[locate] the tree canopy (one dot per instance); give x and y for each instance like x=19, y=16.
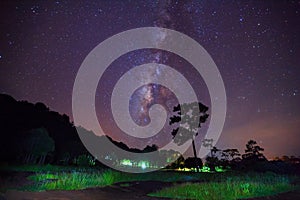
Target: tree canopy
x=188, y=117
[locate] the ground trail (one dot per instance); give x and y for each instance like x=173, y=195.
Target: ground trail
x=120, y=191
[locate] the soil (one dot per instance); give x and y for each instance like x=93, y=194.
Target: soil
x=294, y=195
x=132, y=190
x=11, y=179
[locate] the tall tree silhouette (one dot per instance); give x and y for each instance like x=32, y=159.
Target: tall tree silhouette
x=188, y=117
x=230, y=157
x=253, y=151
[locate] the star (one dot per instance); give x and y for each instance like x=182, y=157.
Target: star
x=254, y=45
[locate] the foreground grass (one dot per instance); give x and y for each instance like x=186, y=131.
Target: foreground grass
x=72, y=180
x=51, y=177
x=98, y=178
x=229, y=185
x=236, y=187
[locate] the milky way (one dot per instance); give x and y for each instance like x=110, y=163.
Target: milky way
x=254, y=44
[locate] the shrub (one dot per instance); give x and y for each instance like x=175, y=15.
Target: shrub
x=85, y=160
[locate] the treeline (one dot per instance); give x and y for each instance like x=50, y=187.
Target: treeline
x=33, y=134
x=252, y=159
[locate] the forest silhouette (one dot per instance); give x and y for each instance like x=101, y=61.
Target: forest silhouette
x=33, y=134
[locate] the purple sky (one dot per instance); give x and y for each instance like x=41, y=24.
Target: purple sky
x=254, y=44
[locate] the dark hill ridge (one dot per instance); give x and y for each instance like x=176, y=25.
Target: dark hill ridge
x=17, y=118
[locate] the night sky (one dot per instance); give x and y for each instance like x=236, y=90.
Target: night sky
x=255, y=45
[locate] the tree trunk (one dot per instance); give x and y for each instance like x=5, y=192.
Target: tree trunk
x=41, y=160
x=26, y=160
x=44, y=158
x=194, y=148
x=195, y=153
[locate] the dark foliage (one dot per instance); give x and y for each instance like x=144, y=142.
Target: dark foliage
x=36, y=146
x=25, y=126
x=19, y=118
x=213, y=161
x=253, y=152
x=193, y=162
x=188, y=117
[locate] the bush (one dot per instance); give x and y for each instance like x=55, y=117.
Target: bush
x=85, y=160
x=192, y=162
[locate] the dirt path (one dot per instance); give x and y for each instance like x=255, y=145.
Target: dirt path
x=294, y=195
x=135, y=190
x=123, y=191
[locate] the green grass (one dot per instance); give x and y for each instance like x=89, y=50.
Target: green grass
x=235, y=187
x=97, y=178
x=227, y=185
x=71, y=181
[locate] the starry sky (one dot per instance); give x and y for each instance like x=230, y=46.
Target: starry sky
x=255, y=45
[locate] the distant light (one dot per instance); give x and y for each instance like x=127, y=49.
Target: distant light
x=126, y=162
x=205, y=169
x=143, y=165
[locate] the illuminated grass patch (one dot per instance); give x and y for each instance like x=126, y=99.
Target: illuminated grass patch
x=74, y=178
x=72, y=181
x=232, y=188
x=85, y=179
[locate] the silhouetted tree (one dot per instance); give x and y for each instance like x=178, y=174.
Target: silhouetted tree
x=230, y=154
x=214, y=151
x=188, y=117
x=253, y=151
x=37, y=146
x=212, y=161
x=150, y=148
x=230, y=157
x=253, y=159
x=193, y=162
x=179, y=163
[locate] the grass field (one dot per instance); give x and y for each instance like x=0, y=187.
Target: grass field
x=227, y=185
x=49, y=177
x=235, y=187
x=86, y=178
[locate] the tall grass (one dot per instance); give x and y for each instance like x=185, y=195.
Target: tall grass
x=85, y=178
x=81, y=179
x=72, y=180
x=235, y=187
